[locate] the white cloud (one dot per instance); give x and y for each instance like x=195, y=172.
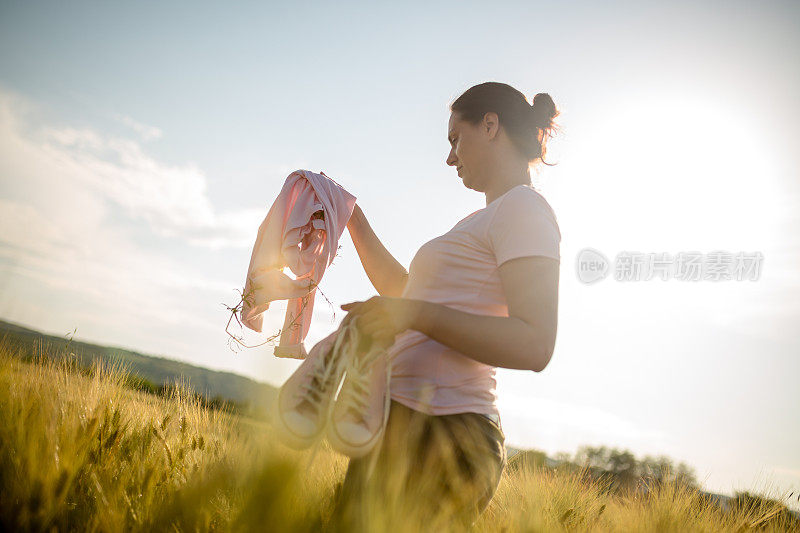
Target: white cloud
x=24, y=229
x=146, y=132
x=172, y=199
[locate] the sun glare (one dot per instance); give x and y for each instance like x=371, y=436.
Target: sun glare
x=693, y=174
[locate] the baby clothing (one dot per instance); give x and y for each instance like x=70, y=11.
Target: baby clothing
x=459, y=270
x=301, y=231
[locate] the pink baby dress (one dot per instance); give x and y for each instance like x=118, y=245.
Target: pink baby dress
x=301, y=231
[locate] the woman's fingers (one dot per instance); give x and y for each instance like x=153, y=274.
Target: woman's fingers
x=351, y=316
x=369, y=324
x=382, y=340
x=369, y=316
x=384, y=336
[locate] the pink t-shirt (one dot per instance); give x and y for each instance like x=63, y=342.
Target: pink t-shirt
x=459, y=270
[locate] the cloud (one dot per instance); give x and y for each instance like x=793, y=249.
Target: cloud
x=147, y=133
x=24, y=229
x=171, y=199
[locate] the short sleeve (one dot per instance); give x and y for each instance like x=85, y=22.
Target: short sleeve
x=523, y=225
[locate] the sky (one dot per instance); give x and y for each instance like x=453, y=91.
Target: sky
x=142, y=144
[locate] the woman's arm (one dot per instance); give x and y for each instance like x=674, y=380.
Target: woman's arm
x=523, y=340
x=387, y=275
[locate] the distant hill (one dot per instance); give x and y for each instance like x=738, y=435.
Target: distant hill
x=159, y=371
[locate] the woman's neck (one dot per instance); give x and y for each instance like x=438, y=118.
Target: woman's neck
x=499, y=188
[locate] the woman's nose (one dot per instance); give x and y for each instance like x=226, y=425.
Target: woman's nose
x=451, y=160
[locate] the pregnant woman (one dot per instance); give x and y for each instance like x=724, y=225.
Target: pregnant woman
x=481, y=296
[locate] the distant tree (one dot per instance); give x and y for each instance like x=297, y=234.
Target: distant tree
x=527, y=459
x=661, y=469
x=563, y=458
x=624, y=472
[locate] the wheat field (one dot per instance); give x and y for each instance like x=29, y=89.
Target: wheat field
x=80, y=450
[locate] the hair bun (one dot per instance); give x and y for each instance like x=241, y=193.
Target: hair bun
x=544, y=111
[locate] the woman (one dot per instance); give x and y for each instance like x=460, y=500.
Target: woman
x=481, y=296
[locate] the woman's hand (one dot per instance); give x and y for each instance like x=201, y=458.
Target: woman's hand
x=383, y=317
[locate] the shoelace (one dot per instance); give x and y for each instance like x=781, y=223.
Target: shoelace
x=325, y=376
x=356, y=374
x=321, y=386
x=386, y=406
x=355, y=388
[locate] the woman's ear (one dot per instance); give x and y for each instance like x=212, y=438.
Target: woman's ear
x=490, y=124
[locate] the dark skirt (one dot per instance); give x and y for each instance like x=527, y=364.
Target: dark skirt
x=435, y=467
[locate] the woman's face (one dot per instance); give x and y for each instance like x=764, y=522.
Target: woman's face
x=469, y=151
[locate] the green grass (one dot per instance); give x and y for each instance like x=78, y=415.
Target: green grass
x=85, y=451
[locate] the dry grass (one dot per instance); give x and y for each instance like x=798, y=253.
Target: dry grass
x=81, y=451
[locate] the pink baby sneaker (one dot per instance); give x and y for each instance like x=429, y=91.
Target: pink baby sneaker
x=301, y=410
x=360, y=410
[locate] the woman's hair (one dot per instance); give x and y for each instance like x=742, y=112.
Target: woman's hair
x=528, y=126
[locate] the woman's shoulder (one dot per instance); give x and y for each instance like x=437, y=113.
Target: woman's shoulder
x=525, y=198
